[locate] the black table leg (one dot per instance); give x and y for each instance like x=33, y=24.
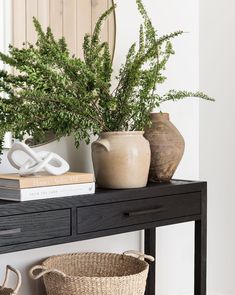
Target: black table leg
x=201, y=249
x=150, y=249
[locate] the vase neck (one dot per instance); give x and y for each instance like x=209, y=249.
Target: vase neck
x=159, y=117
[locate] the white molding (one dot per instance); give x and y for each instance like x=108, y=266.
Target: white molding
x=7, y=18
x=5, y=25
x=2, y=43
x=5, y=40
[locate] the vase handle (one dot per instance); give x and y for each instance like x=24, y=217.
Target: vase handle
x=102, y=143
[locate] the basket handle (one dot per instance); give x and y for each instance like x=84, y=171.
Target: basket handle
x=18, y=275
x=42, y=270
x=139, y=255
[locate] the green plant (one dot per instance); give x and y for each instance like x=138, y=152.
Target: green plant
x=51, y=90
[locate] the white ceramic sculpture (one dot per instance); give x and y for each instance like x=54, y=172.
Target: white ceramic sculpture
x=37, y=161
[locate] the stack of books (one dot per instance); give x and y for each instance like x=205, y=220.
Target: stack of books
x=17, y=188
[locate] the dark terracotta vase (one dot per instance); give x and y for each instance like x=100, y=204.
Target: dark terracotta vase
x=167, y=148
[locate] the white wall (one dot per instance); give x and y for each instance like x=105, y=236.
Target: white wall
x=175, y=243
x=5, y=26
x=217, y=139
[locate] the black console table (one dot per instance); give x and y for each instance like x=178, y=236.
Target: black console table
x=42, y=223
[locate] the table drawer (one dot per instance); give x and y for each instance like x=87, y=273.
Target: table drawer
x=31, y=227
x=120, y=214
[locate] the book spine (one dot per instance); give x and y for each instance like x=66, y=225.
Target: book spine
x=57, y=191
x=53, y=181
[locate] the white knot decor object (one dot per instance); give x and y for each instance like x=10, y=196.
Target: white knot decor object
x=37, y=161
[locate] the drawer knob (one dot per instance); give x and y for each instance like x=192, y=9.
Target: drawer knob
x=144, y=212
x=10, y=231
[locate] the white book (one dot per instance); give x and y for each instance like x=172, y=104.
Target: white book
x=38, y=193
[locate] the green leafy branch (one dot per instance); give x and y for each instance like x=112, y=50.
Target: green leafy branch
x=49, y=90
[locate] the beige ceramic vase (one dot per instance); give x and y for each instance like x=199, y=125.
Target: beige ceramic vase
x=167, y=147
x=121, y=160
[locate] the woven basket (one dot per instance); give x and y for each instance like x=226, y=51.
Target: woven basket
x=4, y=290
x=94, y=274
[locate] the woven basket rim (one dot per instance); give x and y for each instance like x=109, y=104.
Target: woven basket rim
x=100, y=253
x=103, y=278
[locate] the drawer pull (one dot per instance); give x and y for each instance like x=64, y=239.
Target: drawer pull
x=10, y=231
x=144, y=212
